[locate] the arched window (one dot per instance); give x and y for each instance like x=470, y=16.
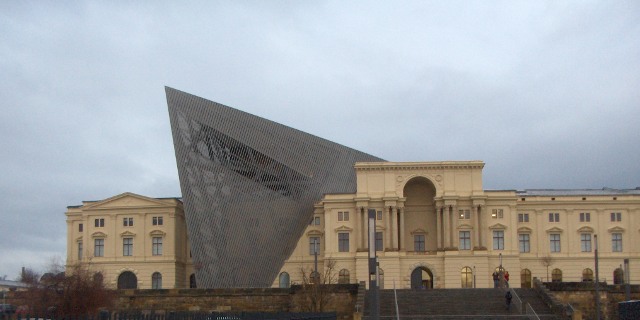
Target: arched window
x=556, y=275
x=127, y=280
x=343, y=276
x=192, y=281
x=587, y=275
x=618, y=276
x=284, y=280
x=156, y=280
x=525, y=278
x=98, y=278
x=466, y=276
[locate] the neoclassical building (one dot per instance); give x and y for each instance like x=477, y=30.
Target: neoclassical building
x=132, y=240
x=436, y=227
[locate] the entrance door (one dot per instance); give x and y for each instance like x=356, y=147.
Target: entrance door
x=421, y=278
x=127, y=280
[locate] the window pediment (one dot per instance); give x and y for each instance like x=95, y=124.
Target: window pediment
x=585, y=229
x=343, y=228
x=498, y=226
x=79, y=239
x=615, y=229
x=127, y=234
x=419, y=231
x=465, y=226
x=554, y=230
x=157, y=233
x=99, y=234
x=314, y=233
x=525, y=230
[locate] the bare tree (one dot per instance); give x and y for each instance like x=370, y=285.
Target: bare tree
x=29, y=276
x=547, y=261
x=315, y=289
x=75, y=293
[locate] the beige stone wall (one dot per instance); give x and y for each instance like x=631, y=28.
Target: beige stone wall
x=457, y=185
x=173, y=264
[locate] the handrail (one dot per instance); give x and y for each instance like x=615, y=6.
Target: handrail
x=531, y=314
x=518, y=301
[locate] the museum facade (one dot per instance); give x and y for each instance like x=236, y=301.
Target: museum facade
x=262, y=202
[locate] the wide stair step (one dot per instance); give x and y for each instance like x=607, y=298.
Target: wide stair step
x=452, y=304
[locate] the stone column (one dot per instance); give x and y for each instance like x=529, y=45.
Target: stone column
x=363, y=227
x=447, y=226
x=453, y=222
x=387, y=227
x=438, y=227
x=401, y=213
x=394, y=228
x=476, y=227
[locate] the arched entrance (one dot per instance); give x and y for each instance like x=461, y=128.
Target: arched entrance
x=127, y=280
x=421, y=278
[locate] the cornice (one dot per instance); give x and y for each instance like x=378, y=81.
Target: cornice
x=404, y=166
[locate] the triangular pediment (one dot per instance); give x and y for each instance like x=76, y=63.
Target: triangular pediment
x=498, y=226
x=99, y=234
x=343, y=228
x=525, y=230
x=585, y=229
x=615, y=229
x=125, y=200
x=554, y=230
x=127, y=234
x=157, y=233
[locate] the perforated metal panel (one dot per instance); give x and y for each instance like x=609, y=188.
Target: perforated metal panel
x=248, y=186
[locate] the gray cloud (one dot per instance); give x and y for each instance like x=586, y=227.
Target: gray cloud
x=544, y=92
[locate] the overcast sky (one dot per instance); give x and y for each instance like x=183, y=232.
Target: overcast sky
x=547, y=93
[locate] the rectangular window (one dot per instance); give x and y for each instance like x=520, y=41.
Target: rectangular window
x=523, y=217
x=585, y=242
x=316, y=221
x=525, y=245
x=98, y=249
x=379, y=241
x=80, y=227
x=585, y=216
x=554, y=242
x=465, y=240
x=616, y=242
x=616, y=216
x=498, y=240
x=127, y=246
x=497, y=213
x=343, y=216
x=80, y=250
x=343, y=242
x=464, y=214
x=99, y=222
x=314, y=245
x=127, y=222
x=156, y=246
x=418, y=243
x=554, y=217
x=157, y=221
x=379, y=215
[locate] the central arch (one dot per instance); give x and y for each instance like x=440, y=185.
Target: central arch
x=420, y=215
x=421, y=278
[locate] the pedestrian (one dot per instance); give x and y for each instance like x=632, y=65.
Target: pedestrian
x=506, y=277
x=495, y=279
x=508, y=298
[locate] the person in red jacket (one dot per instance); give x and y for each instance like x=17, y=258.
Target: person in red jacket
x=506, y=277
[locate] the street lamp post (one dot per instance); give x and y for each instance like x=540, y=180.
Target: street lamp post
x=374, y=293
x=315, y=261
x=595, y=238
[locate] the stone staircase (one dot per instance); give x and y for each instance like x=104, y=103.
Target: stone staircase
x=454, y=304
